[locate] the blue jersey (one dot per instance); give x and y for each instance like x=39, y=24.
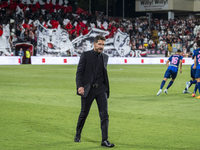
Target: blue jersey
x=193, y=71
x=197, y=54
x=174, y=62
x=193, y=53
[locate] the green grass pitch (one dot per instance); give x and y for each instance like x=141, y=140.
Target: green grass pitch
x=39, y=110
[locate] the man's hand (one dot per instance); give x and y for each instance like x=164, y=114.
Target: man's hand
x=180, y=71
x=81, y=91
x=194, y=67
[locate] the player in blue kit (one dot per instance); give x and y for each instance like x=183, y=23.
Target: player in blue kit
x=197, y=65
x=193, y=80
x=172, y=70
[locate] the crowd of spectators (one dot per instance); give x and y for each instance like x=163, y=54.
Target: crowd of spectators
x=23, y=20
x=177, y=31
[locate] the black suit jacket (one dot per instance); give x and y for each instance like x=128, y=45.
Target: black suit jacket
x=86, y=70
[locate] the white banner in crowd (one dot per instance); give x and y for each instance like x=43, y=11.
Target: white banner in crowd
x=53, y=42
x=42, y=2
x=121, y=43
x=5, y=49
x=85, y=42
x=56, y=42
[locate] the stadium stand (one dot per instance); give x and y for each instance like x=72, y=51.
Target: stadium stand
x=23, y=20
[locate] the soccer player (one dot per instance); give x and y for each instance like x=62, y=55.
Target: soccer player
x=197, y=65
x=193, y=80
x=172, y=70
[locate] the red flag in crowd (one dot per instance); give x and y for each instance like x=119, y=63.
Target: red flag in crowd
x=113, y=29
x=4, y=4
x=45, y=25
x=79, y=10
x=109, y=26
x=28, y=27
x=50, y=45
x=57, y=6
x=51, y=10
x=67, y=9
x=24, y=25
x=1, y=32
x=45, y=6
x=21, y=5
x=82, y=24
x=54, y=24
x=110, y=35
x=85, y=12
x=52, y=21
x=102, y=27
x=37, y=5
x=48, y=6
x=85, y=31
x=33, y=8
x=78, y=28
x=69, y=26
x=72, y=31
x=117, y=20
x=13, y=6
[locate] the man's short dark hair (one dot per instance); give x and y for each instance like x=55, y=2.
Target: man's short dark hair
x=178, y=50
x=99, y=37
x=198, y=43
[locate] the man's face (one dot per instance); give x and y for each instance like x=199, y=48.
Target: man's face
x=99, y=46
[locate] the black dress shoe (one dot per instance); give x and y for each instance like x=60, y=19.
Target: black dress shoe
x=77, y=139
x=106, y=143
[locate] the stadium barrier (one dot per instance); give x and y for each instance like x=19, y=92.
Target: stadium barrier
x=10, y=60
x=112, y=60
x=15, y=60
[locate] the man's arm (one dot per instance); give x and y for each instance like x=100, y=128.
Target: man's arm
x=167, y=63
x=180, y=62
x=79, y=74
x=195, y=63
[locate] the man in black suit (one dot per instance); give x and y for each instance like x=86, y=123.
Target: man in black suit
x=92, y=83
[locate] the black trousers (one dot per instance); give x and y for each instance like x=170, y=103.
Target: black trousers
x=101, y=98
x=27, y=60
